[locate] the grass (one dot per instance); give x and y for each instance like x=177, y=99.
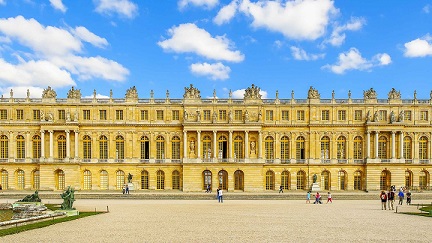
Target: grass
x=41, y=224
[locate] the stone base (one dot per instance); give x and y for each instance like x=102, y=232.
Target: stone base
x=72, y=212
x=23, y=204
x=315, y=187
x=131, y=186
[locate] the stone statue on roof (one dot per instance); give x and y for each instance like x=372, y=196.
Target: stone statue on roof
x=131, y=93
x=393, y=94
x=313, y=93
x=252, y=92
x=191, y=93
x=49, y=93
x=74, y=93
x=369, y=94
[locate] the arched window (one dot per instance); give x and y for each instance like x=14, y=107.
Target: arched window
x=423, y=151
x=238, y=147
x=424, y=180
x=87, y=148
x=325, y=147
x=4, y=147
x=103, y=148
x=120, y=179
x=36, y=142
x=238, y=180
x=5, y=179
x=144, y=180
x=176, y=180
x=36, y=180
x=20, y=179
x=160, y=180
x=145, y=147
x=300, y=148
x=385, y=180
x=358, y=180
x=343, y=180
x=87, y=180
x=341, y=147
x=285, y=156
x=60, y=179
x=20, y=147
x=325, y=180
x=407, y=148
x=270, y=180
x=175, y=146
x=382, y=147
x=408, y=179
x=269, y=148
x=160, y=147
x=207, y=179
x=358, y=147
x=104, y=180
x=285, y=180
x=207, y=147
x=120, y=151
x=301, y=180
x=223, y=179
x=61, y=146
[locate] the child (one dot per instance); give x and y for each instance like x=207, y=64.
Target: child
x=308, y=197
x=329, y=198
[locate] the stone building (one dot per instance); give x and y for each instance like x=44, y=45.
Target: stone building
x=249, y=144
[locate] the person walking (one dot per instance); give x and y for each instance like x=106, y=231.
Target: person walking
x=217, y=194
x=329, y=198
x=401, y=196
x=383, y=197
x=317, y=198
x=308, y=197
x=220, y=193
x=281, y=189
x=408, y=195
x=391, y=199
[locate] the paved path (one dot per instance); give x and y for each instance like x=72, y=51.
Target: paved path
x=233, y=221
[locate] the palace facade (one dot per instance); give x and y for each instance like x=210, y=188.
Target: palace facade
x=249, y=144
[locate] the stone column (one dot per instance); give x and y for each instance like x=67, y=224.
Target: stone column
x=401, y=145
x=260, y=145
x=185, y=144
x=367, y=144
x=246, y=145
x=199, y=144
x=214, y=145
x=376, y=144
x=42, y=144
x=230, y=154
x=51, y=144
x=393, y=149
x=67, y=144
x=11, y=145
x=76, y=143
x=28, y=145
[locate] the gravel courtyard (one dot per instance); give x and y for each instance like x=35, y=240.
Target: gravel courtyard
x=234, y=221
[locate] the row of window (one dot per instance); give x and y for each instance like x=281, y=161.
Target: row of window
x=222, y=115
x=269, y=147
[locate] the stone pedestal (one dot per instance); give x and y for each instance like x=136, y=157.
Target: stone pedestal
x=131, y=186
x=68, y=212
x=315, y=187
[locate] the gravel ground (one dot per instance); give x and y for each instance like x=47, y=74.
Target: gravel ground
x=234, y=221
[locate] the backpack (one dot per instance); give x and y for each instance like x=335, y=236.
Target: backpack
x=383, y=196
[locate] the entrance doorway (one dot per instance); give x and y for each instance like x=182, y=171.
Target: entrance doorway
x=223, y=180
x=223, y=148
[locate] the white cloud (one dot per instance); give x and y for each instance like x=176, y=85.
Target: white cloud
x=337, y=37
x=58, y=4
x=216, y=71
x=226, y=13
x=124, y=8
x=84, y=34
x=188, y=38
x=352, y=60
x=419, y=47
x=2, y=2
x=300, y=54
x=300, y=20
x=426, y=9
x=209, y=4
x=239, y=94
x=98, y=96
x=21, y=91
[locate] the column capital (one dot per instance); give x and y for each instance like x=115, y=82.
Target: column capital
x=50, y=131
x=67, y=131
x=42, y=131
x=393, y=132
x=214, y=131
x=247, y=131
x=199, y=131
x=76, y=131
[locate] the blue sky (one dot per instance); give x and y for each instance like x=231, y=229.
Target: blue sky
x=216, y=45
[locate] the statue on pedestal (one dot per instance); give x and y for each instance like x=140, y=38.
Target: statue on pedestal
x=68, y=199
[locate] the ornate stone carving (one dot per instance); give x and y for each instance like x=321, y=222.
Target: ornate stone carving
x=252, y=92
x=401, y=116
x=375, y=117
x=393, y=94
x=191, y=93
x=131, y=93
x=74, y=93
x=49, y=93
x=313, y=93
x=369, y=94
x=368, y=116
x=392, y=117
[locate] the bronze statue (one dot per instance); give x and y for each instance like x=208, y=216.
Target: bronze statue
x=31, y=198
x=68, y=199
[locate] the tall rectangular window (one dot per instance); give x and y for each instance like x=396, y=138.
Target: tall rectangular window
x=383, y=115
x=325, y=115
x=86, y=114
x=285, y=115
x=61, y=115
x=119, y=115
x=300, y=115
x=159, y=115
x=222, y=115
x=423, y=115
x=238, y=115
x=36, y=114
x=357, y=115
x=3, y=114
x=407, y=115
x=144, y=115
x=269, y=115
x=175, y=115
x=342, y=115
x=206, y=115
x=20, y=114
x=102, y=115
